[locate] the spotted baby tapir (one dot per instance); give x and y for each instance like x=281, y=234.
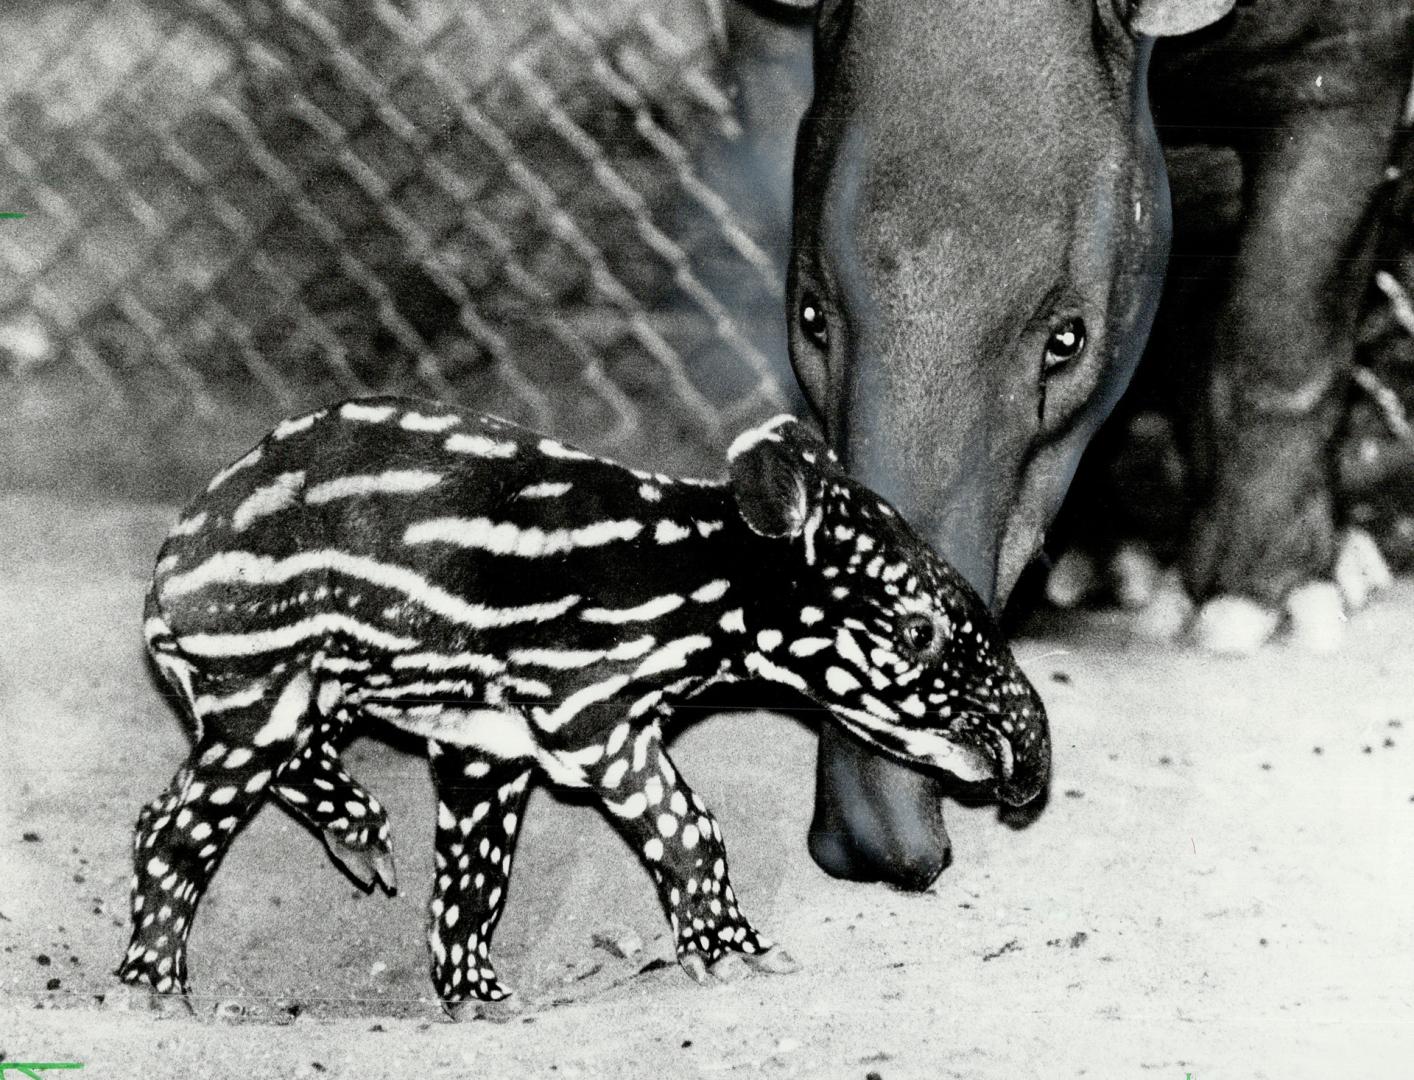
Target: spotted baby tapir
x=524, y=607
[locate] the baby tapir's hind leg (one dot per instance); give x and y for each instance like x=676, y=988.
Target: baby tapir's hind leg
x=316, y=786
x=480, y=801
x=675, y=834
x=182, y=835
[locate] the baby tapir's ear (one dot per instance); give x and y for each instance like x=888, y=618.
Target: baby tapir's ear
x=775, y=476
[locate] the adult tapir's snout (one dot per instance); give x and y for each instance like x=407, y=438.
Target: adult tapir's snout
x=981, y=223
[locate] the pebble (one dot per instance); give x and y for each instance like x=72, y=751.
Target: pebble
x=228, y=1010
x=1233, y=626
x=377, y=968
x=624, y=944
x=1317, y=616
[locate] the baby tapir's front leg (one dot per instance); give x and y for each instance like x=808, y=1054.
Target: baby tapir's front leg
x=674, y=833
x=480, y=804
x=353, y=823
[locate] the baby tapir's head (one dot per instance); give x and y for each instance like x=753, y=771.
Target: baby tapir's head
x=879, y=629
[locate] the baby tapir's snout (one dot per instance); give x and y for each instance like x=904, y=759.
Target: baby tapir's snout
x=1022, y=740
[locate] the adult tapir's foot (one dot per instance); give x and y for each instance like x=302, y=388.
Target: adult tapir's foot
x=875, y=820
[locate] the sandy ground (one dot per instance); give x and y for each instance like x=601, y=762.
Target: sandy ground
x=1220, y=887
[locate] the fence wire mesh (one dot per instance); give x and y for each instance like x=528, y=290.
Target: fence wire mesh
x=556, y=210
x=239, y=208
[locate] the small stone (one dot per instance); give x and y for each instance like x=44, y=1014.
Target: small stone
x=30, y=838
x=43, y=960
x=377, y=968
x=1317, y=616
x=52, y=984
x=787, y=1046
x=228, y=1010
x=624, y=944
x=1233, y=626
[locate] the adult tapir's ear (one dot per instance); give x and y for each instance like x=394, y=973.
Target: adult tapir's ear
x=775, y=476
x=1165, y=18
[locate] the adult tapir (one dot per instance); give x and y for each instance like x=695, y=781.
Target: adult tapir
x=981, y=227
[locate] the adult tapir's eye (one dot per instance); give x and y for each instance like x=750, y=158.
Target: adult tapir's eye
x=1066, y=342
x=812, y=320
x=918, y=633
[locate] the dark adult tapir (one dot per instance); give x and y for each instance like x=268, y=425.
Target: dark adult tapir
x=981, y=228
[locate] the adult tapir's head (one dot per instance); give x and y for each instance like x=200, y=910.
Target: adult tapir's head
x=981, y=219
x=981, y=222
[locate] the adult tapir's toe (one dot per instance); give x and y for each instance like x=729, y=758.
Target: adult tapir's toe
x=875, y=820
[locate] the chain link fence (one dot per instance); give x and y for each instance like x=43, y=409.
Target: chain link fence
x=236, y=209
x=557, y=210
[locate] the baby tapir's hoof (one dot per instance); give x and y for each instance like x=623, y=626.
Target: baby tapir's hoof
x=369, y=866
x=497, y=1012
x=736, y=965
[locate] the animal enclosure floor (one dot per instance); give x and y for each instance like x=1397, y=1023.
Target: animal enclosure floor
x=1221, y=884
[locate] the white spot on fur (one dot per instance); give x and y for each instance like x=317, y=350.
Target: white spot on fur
x=415, y=421
x=392, y=482
x=285, y=716
x=670, y=532
x=480, y=446
x=651, y=609
x=230, y=470
x=368, y=414
x=550, y=489
x=504, y=538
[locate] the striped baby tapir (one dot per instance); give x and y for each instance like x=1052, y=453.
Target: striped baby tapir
x=529, y=608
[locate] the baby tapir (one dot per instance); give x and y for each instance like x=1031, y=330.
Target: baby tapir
x=523, y=605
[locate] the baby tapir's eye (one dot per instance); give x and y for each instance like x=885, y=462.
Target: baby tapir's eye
x=918, y=633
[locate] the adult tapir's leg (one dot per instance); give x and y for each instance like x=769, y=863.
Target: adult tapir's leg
x=1283, y=350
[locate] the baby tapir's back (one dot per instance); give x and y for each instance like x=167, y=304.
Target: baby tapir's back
x=388, y=530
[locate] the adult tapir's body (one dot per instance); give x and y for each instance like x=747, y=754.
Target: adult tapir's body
x=981, y=229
